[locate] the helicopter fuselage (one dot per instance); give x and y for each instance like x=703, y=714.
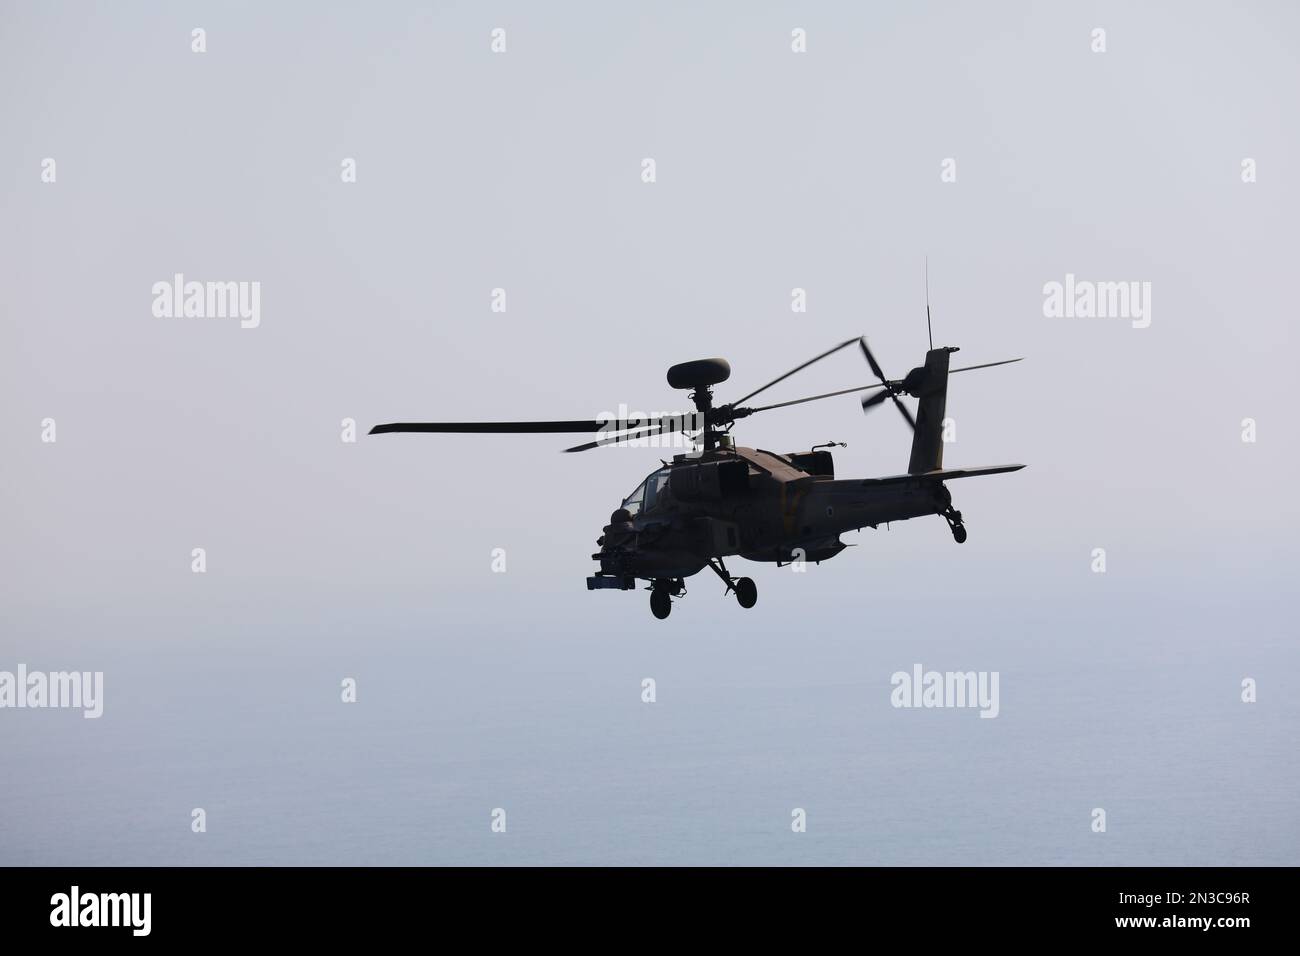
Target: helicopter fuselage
x=755, y=504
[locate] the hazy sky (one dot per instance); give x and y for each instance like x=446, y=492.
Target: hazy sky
x=523, y=170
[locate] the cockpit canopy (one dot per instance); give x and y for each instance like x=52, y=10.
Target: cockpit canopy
x=647, y=493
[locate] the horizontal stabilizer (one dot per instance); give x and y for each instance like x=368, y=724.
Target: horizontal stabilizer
x=943, y=474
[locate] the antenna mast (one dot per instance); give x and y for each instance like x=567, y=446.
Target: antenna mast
x=929, y=330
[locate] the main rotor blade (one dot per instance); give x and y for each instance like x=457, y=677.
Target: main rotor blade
x=968, y=368
x=798, y=368
x=863, y=388
x=626, y=436
x=489, y=428
x=815, y=398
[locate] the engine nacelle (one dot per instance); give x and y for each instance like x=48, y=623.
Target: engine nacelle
x=709, y=480
x=817, y=462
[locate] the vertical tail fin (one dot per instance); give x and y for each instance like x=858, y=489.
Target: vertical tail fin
x=931, y=387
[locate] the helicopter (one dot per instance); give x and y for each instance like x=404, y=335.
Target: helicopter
x=723, y=500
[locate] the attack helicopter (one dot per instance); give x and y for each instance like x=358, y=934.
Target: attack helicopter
x=723, y=500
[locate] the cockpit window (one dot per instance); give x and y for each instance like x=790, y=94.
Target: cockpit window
x=653, y=486
x=647, y=493
x=632, y=503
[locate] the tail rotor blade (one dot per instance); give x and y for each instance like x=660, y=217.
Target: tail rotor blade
x=903, y=408
x=871, y=401
x=871, y=360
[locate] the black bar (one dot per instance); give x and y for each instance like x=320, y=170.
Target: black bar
x=976, y=905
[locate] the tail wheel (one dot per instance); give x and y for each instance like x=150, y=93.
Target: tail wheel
x=746, y=592
x=661, y=605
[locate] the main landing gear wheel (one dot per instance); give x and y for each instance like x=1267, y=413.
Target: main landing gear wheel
x=959, y=533
x=745, y=590
x=661, y=605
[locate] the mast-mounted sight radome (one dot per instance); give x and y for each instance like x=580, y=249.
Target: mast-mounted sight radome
x=700, y=373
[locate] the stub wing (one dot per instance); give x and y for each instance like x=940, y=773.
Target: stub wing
x=943, y=474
